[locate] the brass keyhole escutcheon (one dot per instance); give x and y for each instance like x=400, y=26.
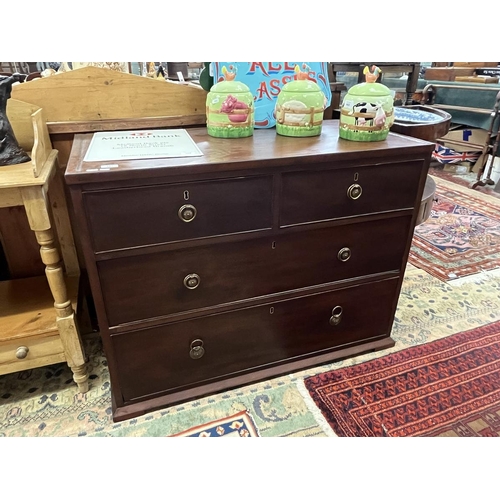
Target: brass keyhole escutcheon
x=192, y=281
x=196, y=349
x=336, y=315
x=22, y=352
x=187, y=213
x=344, y=254
x=354, y=191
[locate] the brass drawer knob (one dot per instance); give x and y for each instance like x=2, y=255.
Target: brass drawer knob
x=336, y=315
x=196, y=349
x=344, y=254
x=187, y=213
x=22, y=352
x=354, y=191
x=192, y=281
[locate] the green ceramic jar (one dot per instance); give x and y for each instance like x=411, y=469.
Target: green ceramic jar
x=230, y=109
x=299, y=109
x=367, y=111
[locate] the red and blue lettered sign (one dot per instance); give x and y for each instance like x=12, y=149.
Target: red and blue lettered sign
x=266, y=79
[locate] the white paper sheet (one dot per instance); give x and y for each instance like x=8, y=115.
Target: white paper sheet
x=141, y=144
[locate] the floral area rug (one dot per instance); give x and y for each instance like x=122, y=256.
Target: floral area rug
x=450, y=386
x=462, y=235
x=44, y=402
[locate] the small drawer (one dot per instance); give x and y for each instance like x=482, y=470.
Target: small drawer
x=168, y=282
x=131, y=217
x=31, y=352
x=320, y=195
x=165, y=359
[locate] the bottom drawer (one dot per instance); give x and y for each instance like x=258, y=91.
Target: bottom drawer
x=184, y=354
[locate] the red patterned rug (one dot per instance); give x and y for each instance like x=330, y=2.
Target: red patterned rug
x=449, y=387
x=461, y=237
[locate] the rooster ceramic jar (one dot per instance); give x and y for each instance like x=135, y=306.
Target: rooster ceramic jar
x=299, y=108
x=230, y=108
x=367, y=111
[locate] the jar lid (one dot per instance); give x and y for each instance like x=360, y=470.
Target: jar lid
x=369, y=89
x=230, y=86
x=301, y=86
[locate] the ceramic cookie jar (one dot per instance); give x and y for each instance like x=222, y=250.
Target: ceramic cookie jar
x=300, y=106
x=367, y=111
x=230, y=108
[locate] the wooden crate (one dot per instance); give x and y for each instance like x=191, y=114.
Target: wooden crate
x=447, y=74
x=476, y=64
x=477, y=79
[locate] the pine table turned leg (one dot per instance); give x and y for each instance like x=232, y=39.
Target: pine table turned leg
x=36, y=209
x=81, y=377
x=66, y=322
x=70, y=338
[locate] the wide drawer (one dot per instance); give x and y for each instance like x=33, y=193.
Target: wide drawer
x=318, y=195
x=167, y=358
x=158, y=284
x=124, y=218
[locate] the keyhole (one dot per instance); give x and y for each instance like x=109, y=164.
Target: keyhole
x=356, y=176
x=186, y=195
x=271, y=310
x=273, y=246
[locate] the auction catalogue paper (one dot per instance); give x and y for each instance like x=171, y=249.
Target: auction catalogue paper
x=141, y=144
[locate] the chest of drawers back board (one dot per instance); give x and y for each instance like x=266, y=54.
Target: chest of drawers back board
x=265, y=255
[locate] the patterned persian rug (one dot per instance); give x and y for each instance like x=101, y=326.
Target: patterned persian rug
x=462, y=235
x=447, y=387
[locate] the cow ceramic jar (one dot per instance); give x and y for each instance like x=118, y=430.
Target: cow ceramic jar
x=367, y=111
x=230, y=108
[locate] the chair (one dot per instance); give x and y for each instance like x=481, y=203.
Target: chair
x=490, y=115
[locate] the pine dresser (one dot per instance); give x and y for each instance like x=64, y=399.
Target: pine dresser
x=264, y=256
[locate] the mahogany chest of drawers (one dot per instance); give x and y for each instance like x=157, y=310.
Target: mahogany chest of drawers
x=265, y=255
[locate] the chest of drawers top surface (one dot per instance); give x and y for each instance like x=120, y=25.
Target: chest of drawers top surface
x=264, y=150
